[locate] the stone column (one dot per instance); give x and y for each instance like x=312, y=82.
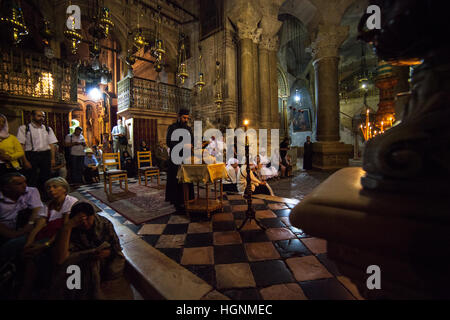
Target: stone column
x=329, y=153
x=256, y=84
x=268, y=79
x=264, y=84
x=275, y=115
x=246, y=17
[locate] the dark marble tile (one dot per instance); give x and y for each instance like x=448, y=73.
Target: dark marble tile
x=198, y=240
x=173, y=253
x=259, y=207
x=325, y=289
x=227, y=209
x=151, y=239
x=229, y=254
x=243, y=294
x=237, y=202
x=254, y=236
x=120, y=219
x=199, y=217
x=224, y=226
x=267, y=273
x=240, y=215
x=133, y=227
x=160, y=220
x=271, y=223
x=206, y=273
x=176, y=228
x=329, y=264
x=291, y=248
x=282, y=212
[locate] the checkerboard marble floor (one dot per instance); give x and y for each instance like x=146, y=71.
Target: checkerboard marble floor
x=281, y=262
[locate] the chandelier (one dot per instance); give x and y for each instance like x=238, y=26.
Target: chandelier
x=15, y=21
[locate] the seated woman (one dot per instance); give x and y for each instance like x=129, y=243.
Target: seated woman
x=266, y=169
x=143, y=146
x=50, y=221
x=230, y=184
x=128, y=164
x=91, y=167
x=90, y=242
x=258, y=186
x=10, y=149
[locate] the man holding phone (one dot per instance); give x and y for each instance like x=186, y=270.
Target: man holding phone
x=76, y=143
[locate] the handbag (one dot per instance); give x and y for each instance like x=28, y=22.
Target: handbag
x=51, y=228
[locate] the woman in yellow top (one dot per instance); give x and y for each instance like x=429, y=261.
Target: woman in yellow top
x=10, y=149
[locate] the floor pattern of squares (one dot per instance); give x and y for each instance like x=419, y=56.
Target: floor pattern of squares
x=281, y=262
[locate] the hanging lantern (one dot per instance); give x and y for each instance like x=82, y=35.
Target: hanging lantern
x=200, y=83
x=94, y=48
x=218, y=99
x=182, y=73
x=139, y=40
x=105, y=22
x=75, y=38
x=157, y=66
x=15, y=22
x=159, y=50
x=218, y=96
x=182, y=68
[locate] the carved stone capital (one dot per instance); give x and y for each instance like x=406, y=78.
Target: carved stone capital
x=269, y=43
x=328, y=40
x=270, y=26
x=246, y=18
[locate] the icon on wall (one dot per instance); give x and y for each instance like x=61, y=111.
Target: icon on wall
x=301, y=120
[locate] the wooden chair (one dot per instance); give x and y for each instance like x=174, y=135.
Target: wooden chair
x=111, y=175
x=149, y=170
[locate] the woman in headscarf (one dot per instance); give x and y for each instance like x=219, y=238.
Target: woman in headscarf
x=36, y=251
x=10, y=149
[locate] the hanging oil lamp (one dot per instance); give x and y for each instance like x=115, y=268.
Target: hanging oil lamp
x=182, y=68
x=105, y=22
x=16, y=22
x=139, y=40
x=201, y=81
x=218, y=99
x=74, y=37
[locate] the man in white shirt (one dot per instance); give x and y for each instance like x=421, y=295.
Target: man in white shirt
x=19, y=207
x=38, y=141
x=118, y=133
x=76, y=143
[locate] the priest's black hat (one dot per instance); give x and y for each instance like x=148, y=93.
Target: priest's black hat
x=183, y=112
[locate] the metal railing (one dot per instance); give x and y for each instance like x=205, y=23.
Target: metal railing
x=33, y=75
x=140, y=93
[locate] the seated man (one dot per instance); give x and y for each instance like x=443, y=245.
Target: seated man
x=19, y=207
x=258, y=186
x=90, y=242
x=160, y=157
x=90, y=167
x=230, y=184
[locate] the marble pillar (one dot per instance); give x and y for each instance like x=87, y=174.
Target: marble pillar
x=264, y=84
x=329, y=152
x=275, y=115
